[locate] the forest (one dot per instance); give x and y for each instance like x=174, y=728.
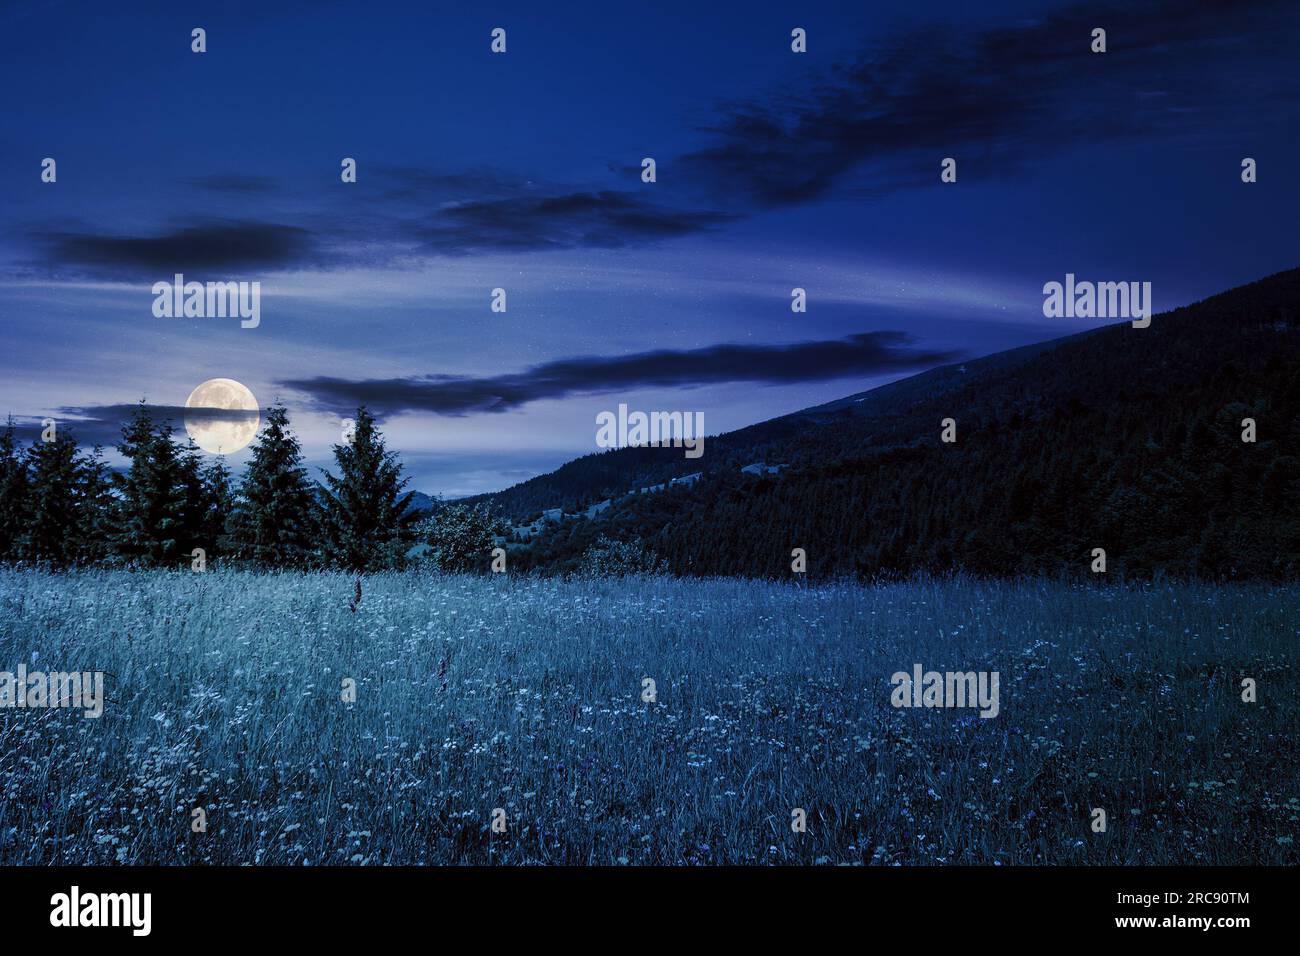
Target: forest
x=61, y=506
x=1172, y=448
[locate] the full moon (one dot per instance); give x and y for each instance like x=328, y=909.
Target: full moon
x=221, y=436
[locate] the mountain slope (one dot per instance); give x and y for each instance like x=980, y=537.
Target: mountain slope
x=1120, y=438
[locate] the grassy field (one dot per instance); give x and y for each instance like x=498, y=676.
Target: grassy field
x=476, y=693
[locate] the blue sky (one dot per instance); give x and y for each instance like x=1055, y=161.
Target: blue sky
x=522, y=171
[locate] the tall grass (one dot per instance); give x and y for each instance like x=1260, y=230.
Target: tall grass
x=476, y=693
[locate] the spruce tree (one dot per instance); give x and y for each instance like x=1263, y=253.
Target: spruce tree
x=366, y=516
x=274, y=522
x=151, y=524
x=190, y=462
x=207, y=501
x=97, y=503
x=13, y=493
x=62, y=503
x=218, y=505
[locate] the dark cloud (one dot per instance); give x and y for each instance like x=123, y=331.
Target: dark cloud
x=868, y=353
x=997, y=96
x=604, y=219
x=378, y=237
x=221, y=245
x=102, y=424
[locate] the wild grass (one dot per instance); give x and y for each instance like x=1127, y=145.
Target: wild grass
x=477, y=693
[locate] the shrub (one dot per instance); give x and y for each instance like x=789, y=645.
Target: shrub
x=609, y=558
x=459, y=537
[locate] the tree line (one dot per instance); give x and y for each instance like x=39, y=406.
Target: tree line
x=61, y=506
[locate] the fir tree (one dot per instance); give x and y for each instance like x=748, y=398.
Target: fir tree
x=13, y=493
x=218, y=505
x=190, y=461
x=62, y=503
x=150, y=525
x=366, y=515
x=274, y=522
x=97, y=502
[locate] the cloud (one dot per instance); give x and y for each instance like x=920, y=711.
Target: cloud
x=221, y=245
x=603, y=219
x=998, y=100
x=102, y=424
x=385, y=236
x=990, y=98
x=864, y=354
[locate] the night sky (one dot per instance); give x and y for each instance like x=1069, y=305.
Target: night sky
x=522, y=171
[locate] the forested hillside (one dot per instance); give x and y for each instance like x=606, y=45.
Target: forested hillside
x=1125, y=439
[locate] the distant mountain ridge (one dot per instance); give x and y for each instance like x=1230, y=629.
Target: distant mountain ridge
x=1122, y=438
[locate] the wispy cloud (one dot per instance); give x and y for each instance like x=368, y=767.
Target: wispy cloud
x=993, y=97
x=102, y=424
x=379, y=238
x=868, y=353
x=601, y=220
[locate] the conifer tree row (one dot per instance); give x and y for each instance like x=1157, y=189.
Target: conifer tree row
x=61, y=507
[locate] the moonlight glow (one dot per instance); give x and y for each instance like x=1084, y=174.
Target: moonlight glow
x=221, y=436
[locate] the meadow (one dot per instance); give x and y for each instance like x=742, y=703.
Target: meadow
x=475, y=693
